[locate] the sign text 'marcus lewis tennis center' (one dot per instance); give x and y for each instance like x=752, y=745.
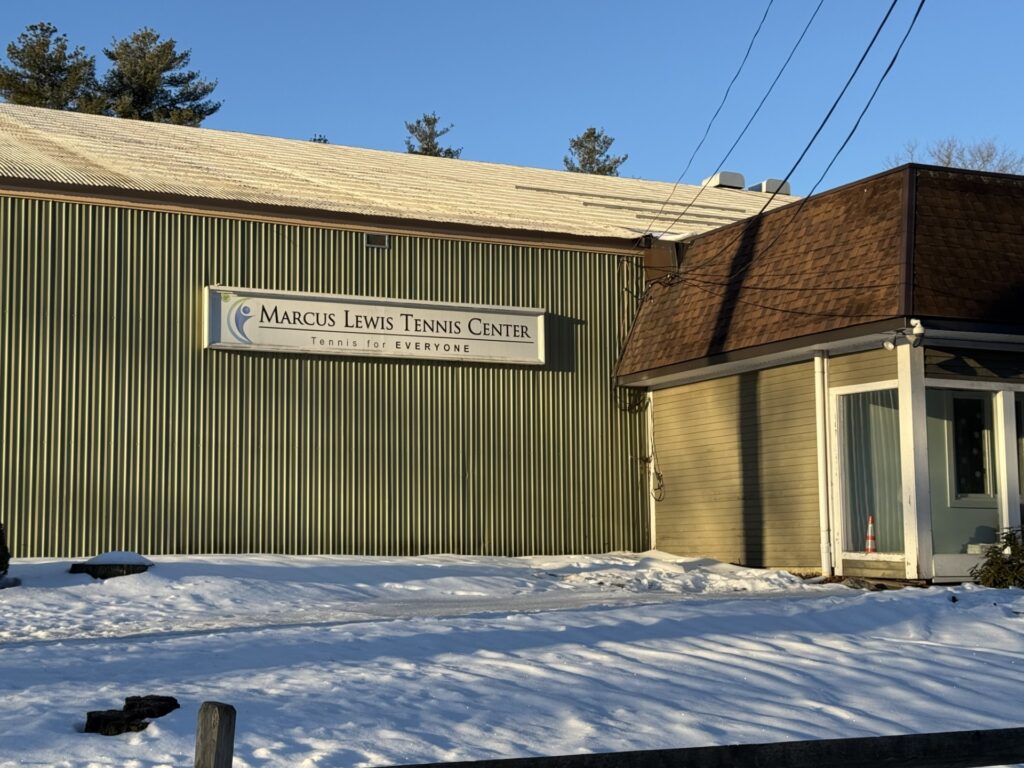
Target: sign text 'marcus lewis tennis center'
x=276, y=321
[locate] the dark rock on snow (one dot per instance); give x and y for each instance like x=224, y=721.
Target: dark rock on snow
x=111, y=722
x=5, y=561
x=5, y=553
x=150, y=706
x=107, y=571
x=133, y=717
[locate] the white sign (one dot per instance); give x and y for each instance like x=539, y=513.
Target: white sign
x=273, y=321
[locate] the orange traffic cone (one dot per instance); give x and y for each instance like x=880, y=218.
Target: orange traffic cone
x=869, y=540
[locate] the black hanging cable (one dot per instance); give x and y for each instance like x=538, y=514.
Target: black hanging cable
x=712, y=277
x=696, y=283
x=746, y=127
x=801, y=312
x=832, y=109
x=711, y=122
x=677, y=276
x=821, y=127
x=860, y=117
x=878, y=85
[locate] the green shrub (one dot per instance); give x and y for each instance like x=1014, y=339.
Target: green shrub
x=1003, y=565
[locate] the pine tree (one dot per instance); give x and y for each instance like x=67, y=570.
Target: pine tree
x=45, y=73
x=423, y=136
x=148, y=81
x=588, y=153
x=1003, y=564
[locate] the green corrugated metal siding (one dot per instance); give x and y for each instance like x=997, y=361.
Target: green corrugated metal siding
x=120, y=431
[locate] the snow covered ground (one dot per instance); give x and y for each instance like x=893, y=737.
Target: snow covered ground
x=335, y=661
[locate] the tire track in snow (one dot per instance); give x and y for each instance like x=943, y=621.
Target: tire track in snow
x=384, y=610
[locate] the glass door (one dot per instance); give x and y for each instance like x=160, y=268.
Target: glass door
x=871, y=492
x=962, y=475
x=1018, y=399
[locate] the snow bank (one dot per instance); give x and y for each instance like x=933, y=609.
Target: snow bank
x=376, y=661
x=119, y=557
x=224, y=592
x=657, y=572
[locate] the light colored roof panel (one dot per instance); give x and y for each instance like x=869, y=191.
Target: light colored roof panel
x=70, y=148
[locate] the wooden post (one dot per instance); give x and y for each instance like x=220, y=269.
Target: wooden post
x=215, y=735
x=917, y=511
x=1005, y=418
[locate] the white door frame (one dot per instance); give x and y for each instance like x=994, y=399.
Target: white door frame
x=1004, y=426
x=913, y=429
x=838, y=480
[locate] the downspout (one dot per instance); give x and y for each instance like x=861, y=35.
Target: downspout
x=653, y=474
x=821, y=421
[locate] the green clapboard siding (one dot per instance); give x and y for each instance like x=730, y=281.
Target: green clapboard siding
x=862, y=368
x=739, y=460
x=120, y=432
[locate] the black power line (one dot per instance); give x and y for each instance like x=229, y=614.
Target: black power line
x=856, y=124
x=703, y=285
x=711, y=122
x=821, y=127
x=746, y=127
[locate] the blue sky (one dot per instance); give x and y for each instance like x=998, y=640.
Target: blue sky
x=518, y=79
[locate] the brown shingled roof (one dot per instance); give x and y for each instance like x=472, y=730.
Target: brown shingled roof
x=837, y=261
x=968, y=246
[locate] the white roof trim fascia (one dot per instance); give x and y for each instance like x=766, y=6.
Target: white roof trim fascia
x=932, y=338
x=773, y=360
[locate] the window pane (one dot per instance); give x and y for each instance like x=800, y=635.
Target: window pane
x=872, y=482
x=961, y=470
x=969, y=431
x=1019, y=413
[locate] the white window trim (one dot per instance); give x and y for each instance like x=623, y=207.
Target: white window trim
x=954, y=498
x=871, y=386
x=892, y=557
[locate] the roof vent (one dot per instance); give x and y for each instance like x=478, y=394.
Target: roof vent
x=771, y=186
x=724, y=180
x=376, y=240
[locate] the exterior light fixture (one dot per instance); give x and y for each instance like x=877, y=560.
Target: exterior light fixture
x=914, y=334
